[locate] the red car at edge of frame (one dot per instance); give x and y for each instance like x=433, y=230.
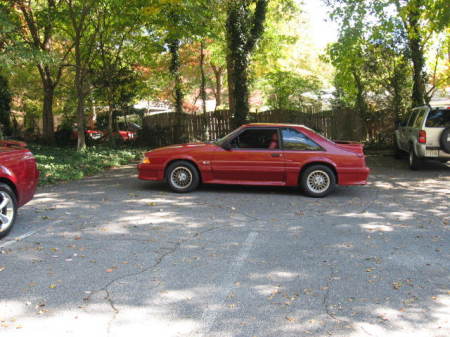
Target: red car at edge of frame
x=260, y=154
x=18, y=180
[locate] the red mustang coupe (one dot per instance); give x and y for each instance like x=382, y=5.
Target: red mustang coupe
x=260, y=154
x=18, y=180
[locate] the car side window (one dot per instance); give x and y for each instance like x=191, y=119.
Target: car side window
x=256, y=139
x=412, y=118
x=294, y=140
x=438, y=118
x=419, y=120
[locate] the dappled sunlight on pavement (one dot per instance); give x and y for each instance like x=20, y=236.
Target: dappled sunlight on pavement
x=111, y=255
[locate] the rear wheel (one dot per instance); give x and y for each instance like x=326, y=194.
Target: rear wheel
x=182, y=177
x=397, y=151
x=318, y=181
x=414, y=162
x=8, y=209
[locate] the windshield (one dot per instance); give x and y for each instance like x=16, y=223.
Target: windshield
x=222, y=140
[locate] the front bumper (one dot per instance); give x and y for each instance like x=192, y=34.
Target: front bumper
x=150, y=172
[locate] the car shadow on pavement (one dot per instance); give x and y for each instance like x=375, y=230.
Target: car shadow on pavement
x=115, y=255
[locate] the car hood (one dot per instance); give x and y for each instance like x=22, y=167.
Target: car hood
x=183, y=148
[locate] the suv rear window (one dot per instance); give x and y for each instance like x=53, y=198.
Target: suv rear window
x=438, y=118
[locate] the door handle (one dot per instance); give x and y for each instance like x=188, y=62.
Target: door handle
x=276, y=154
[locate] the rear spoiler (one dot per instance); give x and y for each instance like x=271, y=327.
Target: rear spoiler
x=355, y=147
x=12, y=143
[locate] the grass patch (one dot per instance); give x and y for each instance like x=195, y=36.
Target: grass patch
x=63, y=164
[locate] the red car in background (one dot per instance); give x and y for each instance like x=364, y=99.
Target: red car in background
x=18, y=181
x=126, y=132
x=260, y=154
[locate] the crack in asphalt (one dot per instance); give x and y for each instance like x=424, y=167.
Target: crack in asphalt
x=159, y=260
x=327, y=295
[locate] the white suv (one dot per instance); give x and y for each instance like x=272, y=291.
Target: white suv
x=425, y=133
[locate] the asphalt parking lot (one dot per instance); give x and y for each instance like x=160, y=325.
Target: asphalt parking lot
x=113, y=256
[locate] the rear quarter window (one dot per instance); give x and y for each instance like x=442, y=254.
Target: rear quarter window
x=412, y=117
x=419, y=120
x=296, y=141
x=438, y=118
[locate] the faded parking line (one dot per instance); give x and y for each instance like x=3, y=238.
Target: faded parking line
x=209, y=316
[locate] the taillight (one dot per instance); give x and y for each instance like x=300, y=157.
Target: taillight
x=422, y=137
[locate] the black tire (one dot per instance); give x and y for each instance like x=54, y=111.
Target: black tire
x=397, y=152
x=318, y=181
x=182, y=177
x=445, y=140
x=415, y=162
x=8, y=209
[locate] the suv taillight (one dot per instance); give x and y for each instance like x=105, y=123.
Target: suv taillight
x=422, y=137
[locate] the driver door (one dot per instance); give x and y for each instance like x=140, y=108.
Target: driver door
x=255, y=157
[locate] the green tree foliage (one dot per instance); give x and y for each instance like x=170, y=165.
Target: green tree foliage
x=34, y=33
x=399, y=28
x=287, y=89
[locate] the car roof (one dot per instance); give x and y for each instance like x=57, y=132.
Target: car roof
x=274, y=125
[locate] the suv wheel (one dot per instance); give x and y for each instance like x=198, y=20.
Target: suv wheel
x=414, y=162
x=445, y=140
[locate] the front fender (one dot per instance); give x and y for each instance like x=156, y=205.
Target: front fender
x=6, y=173
x=203, y=166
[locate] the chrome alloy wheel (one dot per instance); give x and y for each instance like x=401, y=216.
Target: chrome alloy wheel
x=181, y=177
x=318, y=181
x=6, y=211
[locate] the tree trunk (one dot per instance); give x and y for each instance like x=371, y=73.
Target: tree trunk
x=230, y=76
x=110, y=123
x=243, y=29
x=412, y=26
x=419, y=76
x=218, y=78
x=203, y=77
x=5, y=107
x=174, y=46
x=361, y=104
x=241, y=93
x=396, y=84
x=48, y=125
x=79, y=89
x=81, y=143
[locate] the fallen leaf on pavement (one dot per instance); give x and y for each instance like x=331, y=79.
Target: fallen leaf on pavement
x=397, y=285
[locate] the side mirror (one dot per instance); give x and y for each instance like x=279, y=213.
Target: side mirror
x=226, y=146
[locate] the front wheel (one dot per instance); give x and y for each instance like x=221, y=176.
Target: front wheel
x=414, y=162
x=318, y=181
x=182, y=177
x=397, y=151
x=8, y=209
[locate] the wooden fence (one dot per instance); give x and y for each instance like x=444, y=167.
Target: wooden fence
x=163, y=129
